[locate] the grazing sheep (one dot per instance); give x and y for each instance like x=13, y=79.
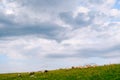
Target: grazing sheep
x=32, y=76
x=73, y=67
x=40, y=71
x=87, y=66
x=95, y=65
x=80, y=67
x=31, y=73
x=45, y=71
x=19, y=75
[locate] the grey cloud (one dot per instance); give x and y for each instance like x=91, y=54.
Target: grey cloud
x=86, y=53
x=67, y=17
x=96, y=1
x=52, y=55
x=99, y=53
x=49, y=30
x=81, y=20
x=5, y=20
x=54, y=5
x=45, y=29
x=96, y=4
x=84, y=19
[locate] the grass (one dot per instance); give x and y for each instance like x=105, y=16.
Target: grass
x=107, y=72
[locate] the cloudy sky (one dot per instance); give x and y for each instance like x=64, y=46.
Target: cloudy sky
x=50, y=34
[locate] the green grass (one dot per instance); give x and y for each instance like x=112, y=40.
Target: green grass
x=108, y=72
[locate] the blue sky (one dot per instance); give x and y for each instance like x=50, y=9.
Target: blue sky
x=50, y=34
x=117, y=4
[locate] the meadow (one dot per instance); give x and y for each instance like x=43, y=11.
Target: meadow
x=106, y=72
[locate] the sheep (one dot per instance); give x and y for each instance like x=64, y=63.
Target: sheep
x=73, y=67
x=87, y=66
x=31, y=73
x=45, y=71
x=95, y=65
x=19, y=75
x=80, y=67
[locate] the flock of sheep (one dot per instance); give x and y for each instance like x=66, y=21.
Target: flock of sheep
x=31, y=74
x=86, y=66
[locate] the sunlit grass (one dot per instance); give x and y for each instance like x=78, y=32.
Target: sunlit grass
x=107, y=72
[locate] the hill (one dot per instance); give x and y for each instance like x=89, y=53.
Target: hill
x=106, y=72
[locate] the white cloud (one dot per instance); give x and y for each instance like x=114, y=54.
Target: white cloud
x=46, y=31
x=80, y=9
x=115, y=14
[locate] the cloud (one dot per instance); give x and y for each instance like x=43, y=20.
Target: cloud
x=47, y=30
x=26, y=21
x=62, y=31
x=81, y=20
x=44, y=4
x=5, y=20
x=88, y=52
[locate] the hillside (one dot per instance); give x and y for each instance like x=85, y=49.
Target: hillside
x=107, y=72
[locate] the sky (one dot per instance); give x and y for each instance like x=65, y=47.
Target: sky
x=51, y=34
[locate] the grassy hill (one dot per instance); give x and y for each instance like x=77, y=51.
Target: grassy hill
x=107, y=72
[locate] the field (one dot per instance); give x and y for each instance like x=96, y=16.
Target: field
x=107, y=72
